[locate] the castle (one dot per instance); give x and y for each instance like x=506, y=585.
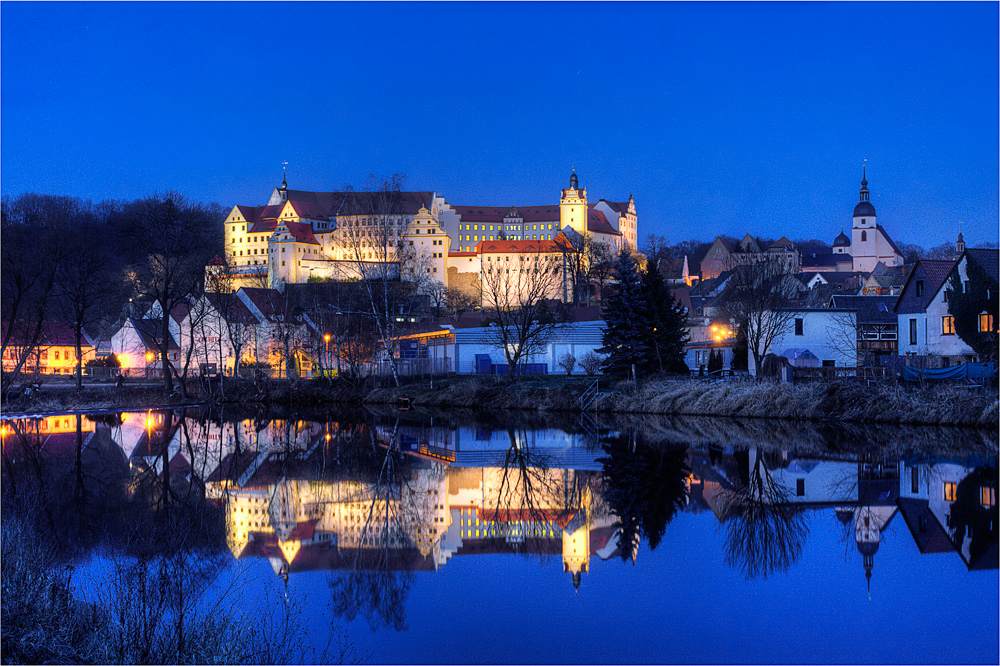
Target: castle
x=301, y=235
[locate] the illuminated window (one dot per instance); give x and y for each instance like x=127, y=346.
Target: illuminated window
x=985, y=323
x=949, y=492
x=947, y=325
x=988, y=495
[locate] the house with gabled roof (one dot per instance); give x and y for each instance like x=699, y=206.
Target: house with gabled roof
x=54, y=352
x=926, y=329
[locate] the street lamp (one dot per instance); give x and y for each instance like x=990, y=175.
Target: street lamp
x=326, y=355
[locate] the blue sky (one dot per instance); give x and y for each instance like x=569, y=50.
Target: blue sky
x=718, y=117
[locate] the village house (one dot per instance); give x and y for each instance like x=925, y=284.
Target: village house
x=815, y=337
x=926, y=328
x=54, y=354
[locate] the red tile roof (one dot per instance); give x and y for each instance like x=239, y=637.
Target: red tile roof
x=270, y=302
x=619, y=207
x=497, y=213
x=308, y=209
x=360, y=203
x=302, y=232
x=231, y=307
x=263, y=226
x=597, y=223
x=558, y=244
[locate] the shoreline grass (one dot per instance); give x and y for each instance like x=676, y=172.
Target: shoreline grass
x=848, y=402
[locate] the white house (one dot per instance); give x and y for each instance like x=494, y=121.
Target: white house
x=465, y=346
x=828, y=334
x=926, y=329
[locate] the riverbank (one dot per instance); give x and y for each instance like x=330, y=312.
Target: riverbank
x=814, y=401
x=847, y=402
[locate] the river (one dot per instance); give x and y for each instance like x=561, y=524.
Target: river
x=460, y=537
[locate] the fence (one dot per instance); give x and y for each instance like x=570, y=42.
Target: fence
x=864, y=372
x=418, y=367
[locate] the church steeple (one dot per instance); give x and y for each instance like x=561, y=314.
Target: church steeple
x=864, y=185
x=574, y=183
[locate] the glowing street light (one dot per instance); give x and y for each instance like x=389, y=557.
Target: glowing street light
x=326, y=354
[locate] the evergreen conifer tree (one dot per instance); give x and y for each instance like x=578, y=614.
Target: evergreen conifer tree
x=665, y=326
x=624, y=339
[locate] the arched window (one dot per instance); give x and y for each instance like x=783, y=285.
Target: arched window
x=864, y=236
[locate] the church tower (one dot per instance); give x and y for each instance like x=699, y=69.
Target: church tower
x=863, y=231
x=573, y=207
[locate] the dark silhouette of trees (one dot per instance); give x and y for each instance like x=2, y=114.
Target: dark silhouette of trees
x=624, y=339
x=168, y=241
x=646, y=326
x=644, y=487
x=966, y=302
x=765, y=532
x=666, y=324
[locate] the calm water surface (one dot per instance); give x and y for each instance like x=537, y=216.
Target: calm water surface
x=469, y=539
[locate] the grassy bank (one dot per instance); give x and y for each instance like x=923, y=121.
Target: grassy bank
x=841, y=402
x=816, y=401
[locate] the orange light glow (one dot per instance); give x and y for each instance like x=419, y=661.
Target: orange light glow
x=149, y=356
x=149, y=422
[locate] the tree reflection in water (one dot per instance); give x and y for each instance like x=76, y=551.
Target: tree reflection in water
x=765, y=533
x=644, y=487
x=384, y=551
x=974, y=516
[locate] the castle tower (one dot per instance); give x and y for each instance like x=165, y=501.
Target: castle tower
x=573, y=207
x=576, y=542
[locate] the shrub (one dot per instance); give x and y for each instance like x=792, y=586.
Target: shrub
x=567, y=361
x=590, y=363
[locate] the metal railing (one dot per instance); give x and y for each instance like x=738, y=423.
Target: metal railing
x=590, y=395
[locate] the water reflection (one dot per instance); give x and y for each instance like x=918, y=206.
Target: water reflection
x=374, y=498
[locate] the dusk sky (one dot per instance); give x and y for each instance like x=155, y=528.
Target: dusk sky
x=719, y=118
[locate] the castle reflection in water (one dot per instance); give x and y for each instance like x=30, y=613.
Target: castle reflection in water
x=382, y=492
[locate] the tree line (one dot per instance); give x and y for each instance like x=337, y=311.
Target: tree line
x=78, y=262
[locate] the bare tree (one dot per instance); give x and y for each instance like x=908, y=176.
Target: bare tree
x=33, y=230
x=856, y=331
x=389, y=270
x=756, y=297
x=460, y=301
x=765, y=531
x=169, y=241
x=518, y=305
x=86, y=289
